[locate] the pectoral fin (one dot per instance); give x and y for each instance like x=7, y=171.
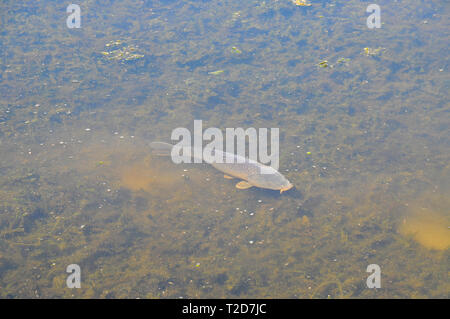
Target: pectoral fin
x=228, y=177
x=243, y=185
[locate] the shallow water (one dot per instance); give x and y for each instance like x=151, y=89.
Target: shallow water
x=363, y=137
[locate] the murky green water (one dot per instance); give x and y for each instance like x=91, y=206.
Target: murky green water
x=364, y=137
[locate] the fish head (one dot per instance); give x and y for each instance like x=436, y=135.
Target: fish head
x=272, y=180
x=286, y=188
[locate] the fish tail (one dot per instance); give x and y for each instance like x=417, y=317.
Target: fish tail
x=161, y=148
x=165, y=149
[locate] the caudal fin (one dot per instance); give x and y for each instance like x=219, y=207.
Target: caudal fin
x=161, y=148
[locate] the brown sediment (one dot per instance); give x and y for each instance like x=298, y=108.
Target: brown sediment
x=428, y=223
x=146, y=175
x=428, y=228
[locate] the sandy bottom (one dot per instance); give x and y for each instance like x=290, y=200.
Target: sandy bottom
x=429, y=222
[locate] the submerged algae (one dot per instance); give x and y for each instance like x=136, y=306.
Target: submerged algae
x=366, y=134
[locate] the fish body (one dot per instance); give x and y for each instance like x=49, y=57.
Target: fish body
x=250, y=171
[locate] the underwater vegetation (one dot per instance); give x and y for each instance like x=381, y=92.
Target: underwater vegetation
x=363, y=118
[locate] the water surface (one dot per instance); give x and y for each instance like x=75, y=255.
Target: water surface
x=364, y=135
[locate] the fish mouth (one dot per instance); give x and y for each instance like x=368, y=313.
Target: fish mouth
x=286, y=188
